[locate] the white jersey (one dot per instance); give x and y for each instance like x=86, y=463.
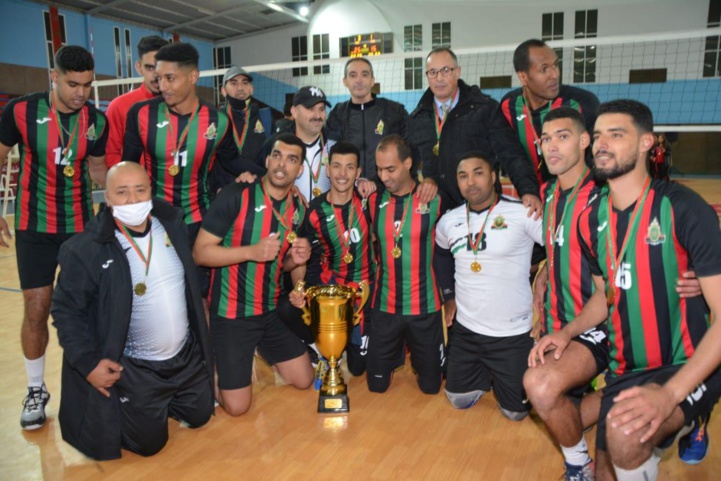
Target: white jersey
x=315, y=159
x=159, y=318
x=497, y=301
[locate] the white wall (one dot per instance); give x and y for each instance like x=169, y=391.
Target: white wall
x=473, y=23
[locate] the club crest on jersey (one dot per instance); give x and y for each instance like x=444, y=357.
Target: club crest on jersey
x=499, y=223
x=259, y=127
x=380, y=127
x=90, y=134
x=364, y=203
x=654, y=236
x=212, y=132
x=167, y=241
x=296, y=217
x=423, y=209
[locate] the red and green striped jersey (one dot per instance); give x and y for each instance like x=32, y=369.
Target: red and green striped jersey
x=153, y=132
x=328, y=224
x=54, y=193
x=569, y=276
x=240, y=216
x=528, y=123
x=675, y=231
x=405, y=285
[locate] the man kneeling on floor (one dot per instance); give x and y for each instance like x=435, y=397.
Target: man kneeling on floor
x=130, y=321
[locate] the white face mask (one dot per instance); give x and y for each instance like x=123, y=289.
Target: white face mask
x=133, y=214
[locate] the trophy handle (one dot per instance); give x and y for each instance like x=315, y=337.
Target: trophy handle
x=306, y=310
x=364, y=293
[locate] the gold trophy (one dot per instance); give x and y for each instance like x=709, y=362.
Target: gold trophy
x=331, y=314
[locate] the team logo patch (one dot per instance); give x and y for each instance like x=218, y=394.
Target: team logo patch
x=423, y=209
x=654, y=236
x=90, y=134
x=499, y=223
x=258, y=127
x=380, y=127
x=167, y=241
x=296, y=217
x=211, y=133
x=364, y=203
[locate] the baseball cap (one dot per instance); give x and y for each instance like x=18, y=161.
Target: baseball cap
x=309, y=96
x=234, y=72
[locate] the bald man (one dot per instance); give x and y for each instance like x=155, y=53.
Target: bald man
x=130, y=320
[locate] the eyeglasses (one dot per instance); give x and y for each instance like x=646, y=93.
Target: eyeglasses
x=445, y=72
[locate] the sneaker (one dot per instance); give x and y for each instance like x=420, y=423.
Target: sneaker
x=320, y=371
x=33, y=415
x=579, y=473
x=693, y=447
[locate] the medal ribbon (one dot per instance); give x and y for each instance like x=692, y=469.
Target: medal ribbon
x=476, y=243
x=281, y=217
x=611, y=233
x=397, y=232
x=552, y=226
x=73, y=134
x=316, y=175
x=343, y=233
x=127, y=235
x=440, y=123
x=240, y=142
x=184, y=133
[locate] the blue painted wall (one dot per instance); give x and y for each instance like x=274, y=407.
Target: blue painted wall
x=22, y=37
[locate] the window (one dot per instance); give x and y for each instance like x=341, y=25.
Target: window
x=413, y=38
x=221, y=59
x=441, y=35
x=299, y=53
x=713, y=45
x=413, y=42
x=128, y=59
x=49, y=36
x=584, y=57
x=552, y=29
x=647, y=75
x=321, y=50
x=496, y=82
x=414, y=73
x=118, y=58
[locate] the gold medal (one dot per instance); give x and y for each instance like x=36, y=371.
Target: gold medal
x=140, y=288
x=291, y=237
x=348, y=258
x=437, y=148
x=69, y=171
x=396, y=252
x=476, y=266
x=316, y=191
x=174, y=170
x=610, y=297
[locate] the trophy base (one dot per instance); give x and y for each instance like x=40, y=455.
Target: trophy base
x=328, y=404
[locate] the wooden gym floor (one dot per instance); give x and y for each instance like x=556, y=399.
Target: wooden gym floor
x=399, y=435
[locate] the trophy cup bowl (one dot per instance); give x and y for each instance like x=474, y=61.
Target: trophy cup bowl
x=331, y=313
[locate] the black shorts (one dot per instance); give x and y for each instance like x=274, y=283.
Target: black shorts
x=698, y=403
x=596, y=341
x=152, y=391
x=235, y=341
x=424, y=336
x=203, y=272
x=479, y=362
x=37, y=257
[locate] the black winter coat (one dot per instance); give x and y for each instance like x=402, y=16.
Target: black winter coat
x=91, y=311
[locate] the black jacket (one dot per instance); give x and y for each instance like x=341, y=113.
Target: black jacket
x=225, y=173
x=475, y=123
x=364, y=125
x=91, y=311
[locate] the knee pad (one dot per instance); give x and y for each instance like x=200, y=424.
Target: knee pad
x=513, y=415
x=464, y=400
